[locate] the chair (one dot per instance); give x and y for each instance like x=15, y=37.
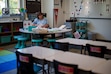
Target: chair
x=63, y=68
x=37, y=41
x=50, y=41
x=25, y=64
x=94, y=50
x=21, y=40
x=60, y=46
x=18, y=43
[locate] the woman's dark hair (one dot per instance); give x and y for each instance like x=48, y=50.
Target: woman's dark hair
x=38, y=14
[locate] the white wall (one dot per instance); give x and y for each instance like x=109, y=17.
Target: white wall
x=101, y=26
x=47, y=6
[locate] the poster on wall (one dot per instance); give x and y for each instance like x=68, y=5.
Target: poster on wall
x=55, y=17
x=91, y=8
x=56, y=2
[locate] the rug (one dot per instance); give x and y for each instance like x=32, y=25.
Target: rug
x=7, y=61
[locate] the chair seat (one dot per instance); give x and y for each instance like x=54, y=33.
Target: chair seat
x=51, y=40
x=36, y=68
x=22, y=38
x=19, y=36
x=37, y=40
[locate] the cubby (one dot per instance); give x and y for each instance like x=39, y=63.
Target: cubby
x=8, y=30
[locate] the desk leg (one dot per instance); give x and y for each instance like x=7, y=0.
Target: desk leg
x=53, y=36
x=31, y=39
x=63, y=35
x=48, y=67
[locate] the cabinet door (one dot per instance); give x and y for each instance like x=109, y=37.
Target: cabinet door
x=33, y=6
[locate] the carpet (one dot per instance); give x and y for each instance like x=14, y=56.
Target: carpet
x=7, y=61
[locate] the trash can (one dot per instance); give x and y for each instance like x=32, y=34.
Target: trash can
x=91, y=36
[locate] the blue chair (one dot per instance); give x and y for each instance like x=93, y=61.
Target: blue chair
x=50, y=41
x=37, y=41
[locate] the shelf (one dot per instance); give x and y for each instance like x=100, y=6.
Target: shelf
x=16, y=31
x=13, y=30
x=6, y=32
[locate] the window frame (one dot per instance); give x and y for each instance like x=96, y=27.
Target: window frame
x=7, y=4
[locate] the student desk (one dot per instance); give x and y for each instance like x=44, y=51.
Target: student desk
x=104, y=68
x=41, y=53
x=84, y=62
x=84, y=42
x=78, y=42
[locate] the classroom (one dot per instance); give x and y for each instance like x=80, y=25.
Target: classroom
x=55, y=36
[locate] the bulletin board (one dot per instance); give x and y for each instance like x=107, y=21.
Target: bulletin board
x=91, y=8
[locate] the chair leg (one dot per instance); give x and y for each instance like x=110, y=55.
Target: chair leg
x=17, y=45
x=37, y=44
x=22, y=44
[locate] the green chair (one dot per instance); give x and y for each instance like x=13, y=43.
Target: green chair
x=22, y=40
x=18, y=43
x=50, y=41
x=37, y=41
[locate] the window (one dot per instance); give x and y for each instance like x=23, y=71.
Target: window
x=2, y=5
x=13, y=6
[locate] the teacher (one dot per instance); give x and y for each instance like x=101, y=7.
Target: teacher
x=40, y=21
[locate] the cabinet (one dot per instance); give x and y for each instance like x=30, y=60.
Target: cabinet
x=8, y=31
x=33, y=6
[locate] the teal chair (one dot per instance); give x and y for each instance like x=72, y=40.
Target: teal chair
x=50, y=41
x=22, y=40
x=18, y=43
x=37, y=41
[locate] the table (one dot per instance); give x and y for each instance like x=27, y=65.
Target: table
x=104, y=68
x=79, y=42
x=41, y=52
x=48, y=33
x=74, y=41
x=84, y=62
x=84, y=42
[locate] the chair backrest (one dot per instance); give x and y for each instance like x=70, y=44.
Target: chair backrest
x=60, y=46
x=24, y=63
x=63, y=68
x=95, y=50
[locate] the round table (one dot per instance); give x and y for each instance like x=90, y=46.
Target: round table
x=52, y=33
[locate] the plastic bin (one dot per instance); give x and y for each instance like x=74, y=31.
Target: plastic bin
x=5, y=39
x=91, y=36
x=31, y=27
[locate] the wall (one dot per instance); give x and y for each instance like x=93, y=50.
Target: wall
x=47, y=6
x=100, y=26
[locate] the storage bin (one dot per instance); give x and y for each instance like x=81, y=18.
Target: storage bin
x=31, y=27
x=5, y=39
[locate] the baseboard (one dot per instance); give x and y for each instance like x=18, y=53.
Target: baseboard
x=103, y=40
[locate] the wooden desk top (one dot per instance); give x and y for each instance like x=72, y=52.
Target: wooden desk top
x=84, y=62
x=104, y=68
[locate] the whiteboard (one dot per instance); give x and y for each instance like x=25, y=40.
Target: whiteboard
x=91, y=8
